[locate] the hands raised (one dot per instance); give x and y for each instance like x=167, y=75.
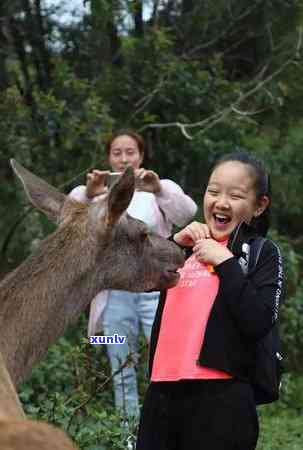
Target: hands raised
x=206, y=249
x=147, y=180
x=95, y=182
x=211, y=252
x=191, y=234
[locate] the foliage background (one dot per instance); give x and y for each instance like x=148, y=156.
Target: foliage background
x=198, y=79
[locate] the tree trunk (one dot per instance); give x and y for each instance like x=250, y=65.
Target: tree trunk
x=26, y=89
x=44, y=54
x=187, y=6
x=138, y=18
x=35, y=35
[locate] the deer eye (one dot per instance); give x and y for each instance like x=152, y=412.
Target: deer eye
x=144, y=236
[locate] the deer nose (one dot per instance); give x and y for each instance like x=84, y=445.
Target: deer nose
x=180, y=256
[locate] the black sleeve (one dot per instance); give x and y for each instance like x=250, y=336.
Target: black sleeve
x=254, y=299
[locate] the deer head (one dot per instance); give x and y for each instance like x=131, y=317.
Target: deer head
x=101, y=238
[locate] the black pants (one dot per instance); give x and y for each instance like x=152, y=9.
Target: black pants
x=200, y=415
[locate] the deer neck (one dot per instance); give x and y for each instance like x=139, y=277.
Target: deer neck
x=46, y=293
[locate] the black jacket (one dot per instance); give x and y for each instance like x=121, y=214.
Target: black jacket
x=245, y=308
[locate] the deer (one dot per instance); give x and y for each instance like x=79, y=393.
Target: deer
x=94, y=247
x=16, y=431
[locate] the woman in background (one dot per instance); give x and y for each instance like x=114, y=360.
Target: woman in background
x=160, y=204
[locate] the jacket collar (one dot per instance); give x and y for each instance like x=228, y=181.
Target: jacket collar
x=242, y=233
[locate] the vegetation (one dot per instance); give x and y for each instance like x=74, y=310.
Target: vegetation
x=72, y=388
x=198, y=79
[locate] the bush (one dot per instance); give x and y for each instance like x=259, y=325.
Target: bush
x=72, y=389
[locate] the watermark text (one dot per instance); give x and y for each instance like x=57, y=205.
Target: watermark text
x=115, y=339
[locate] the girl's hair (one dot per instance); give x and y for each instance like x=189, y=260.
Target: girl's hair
x=126, y=132
x=261, y=186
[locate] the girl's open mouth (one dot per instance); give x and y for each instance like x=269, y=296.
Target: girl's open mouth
x=221, y=219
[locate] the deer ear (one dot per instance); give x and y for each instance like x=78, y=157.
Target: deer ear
x=120, y=196
x=41, y=194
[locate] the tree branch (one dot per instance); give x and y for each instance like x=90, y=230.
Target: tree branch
x=154, y=15
x=223, y=33
x=215, y=118
x=127, y=362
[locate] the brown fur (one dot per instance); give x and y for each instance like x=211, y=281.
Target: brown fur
x=95, y=247
x=31, y=435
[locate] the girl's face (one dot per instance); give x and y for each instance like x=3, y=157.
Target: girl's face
x=124, y=151
x=230, y=198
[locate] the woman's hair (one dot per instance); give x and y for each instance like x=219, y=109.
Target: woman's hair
x=126, y=132
x=262, y=184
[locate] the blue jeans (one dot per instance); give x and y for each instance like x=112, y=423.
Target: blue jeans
x=124, y=313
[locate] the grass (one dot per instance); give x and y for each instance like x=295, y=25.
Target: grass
x=281, y=431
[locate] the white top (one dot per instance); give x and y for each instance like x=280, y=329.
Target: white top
x=159, y=211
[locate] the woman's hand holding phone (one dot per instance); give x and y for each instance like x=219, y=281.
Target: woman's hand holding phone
x=96, y=182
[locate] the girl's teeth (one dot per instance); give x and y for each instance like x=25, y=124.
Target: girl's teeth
x=221, y=219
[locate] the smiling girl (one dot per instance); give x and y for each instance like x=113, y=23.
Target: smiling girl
x=206, y=330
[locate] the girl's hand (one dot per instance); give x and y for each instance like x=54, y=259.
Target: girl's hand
x=191, y=234
x=211, y=252
x=95, y=183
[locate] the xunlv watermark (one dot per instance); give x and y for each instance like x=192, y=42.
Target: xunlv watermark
x=115, y=339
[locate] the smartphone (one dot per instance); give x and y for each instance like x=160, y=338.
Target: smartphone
x=111, y=178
